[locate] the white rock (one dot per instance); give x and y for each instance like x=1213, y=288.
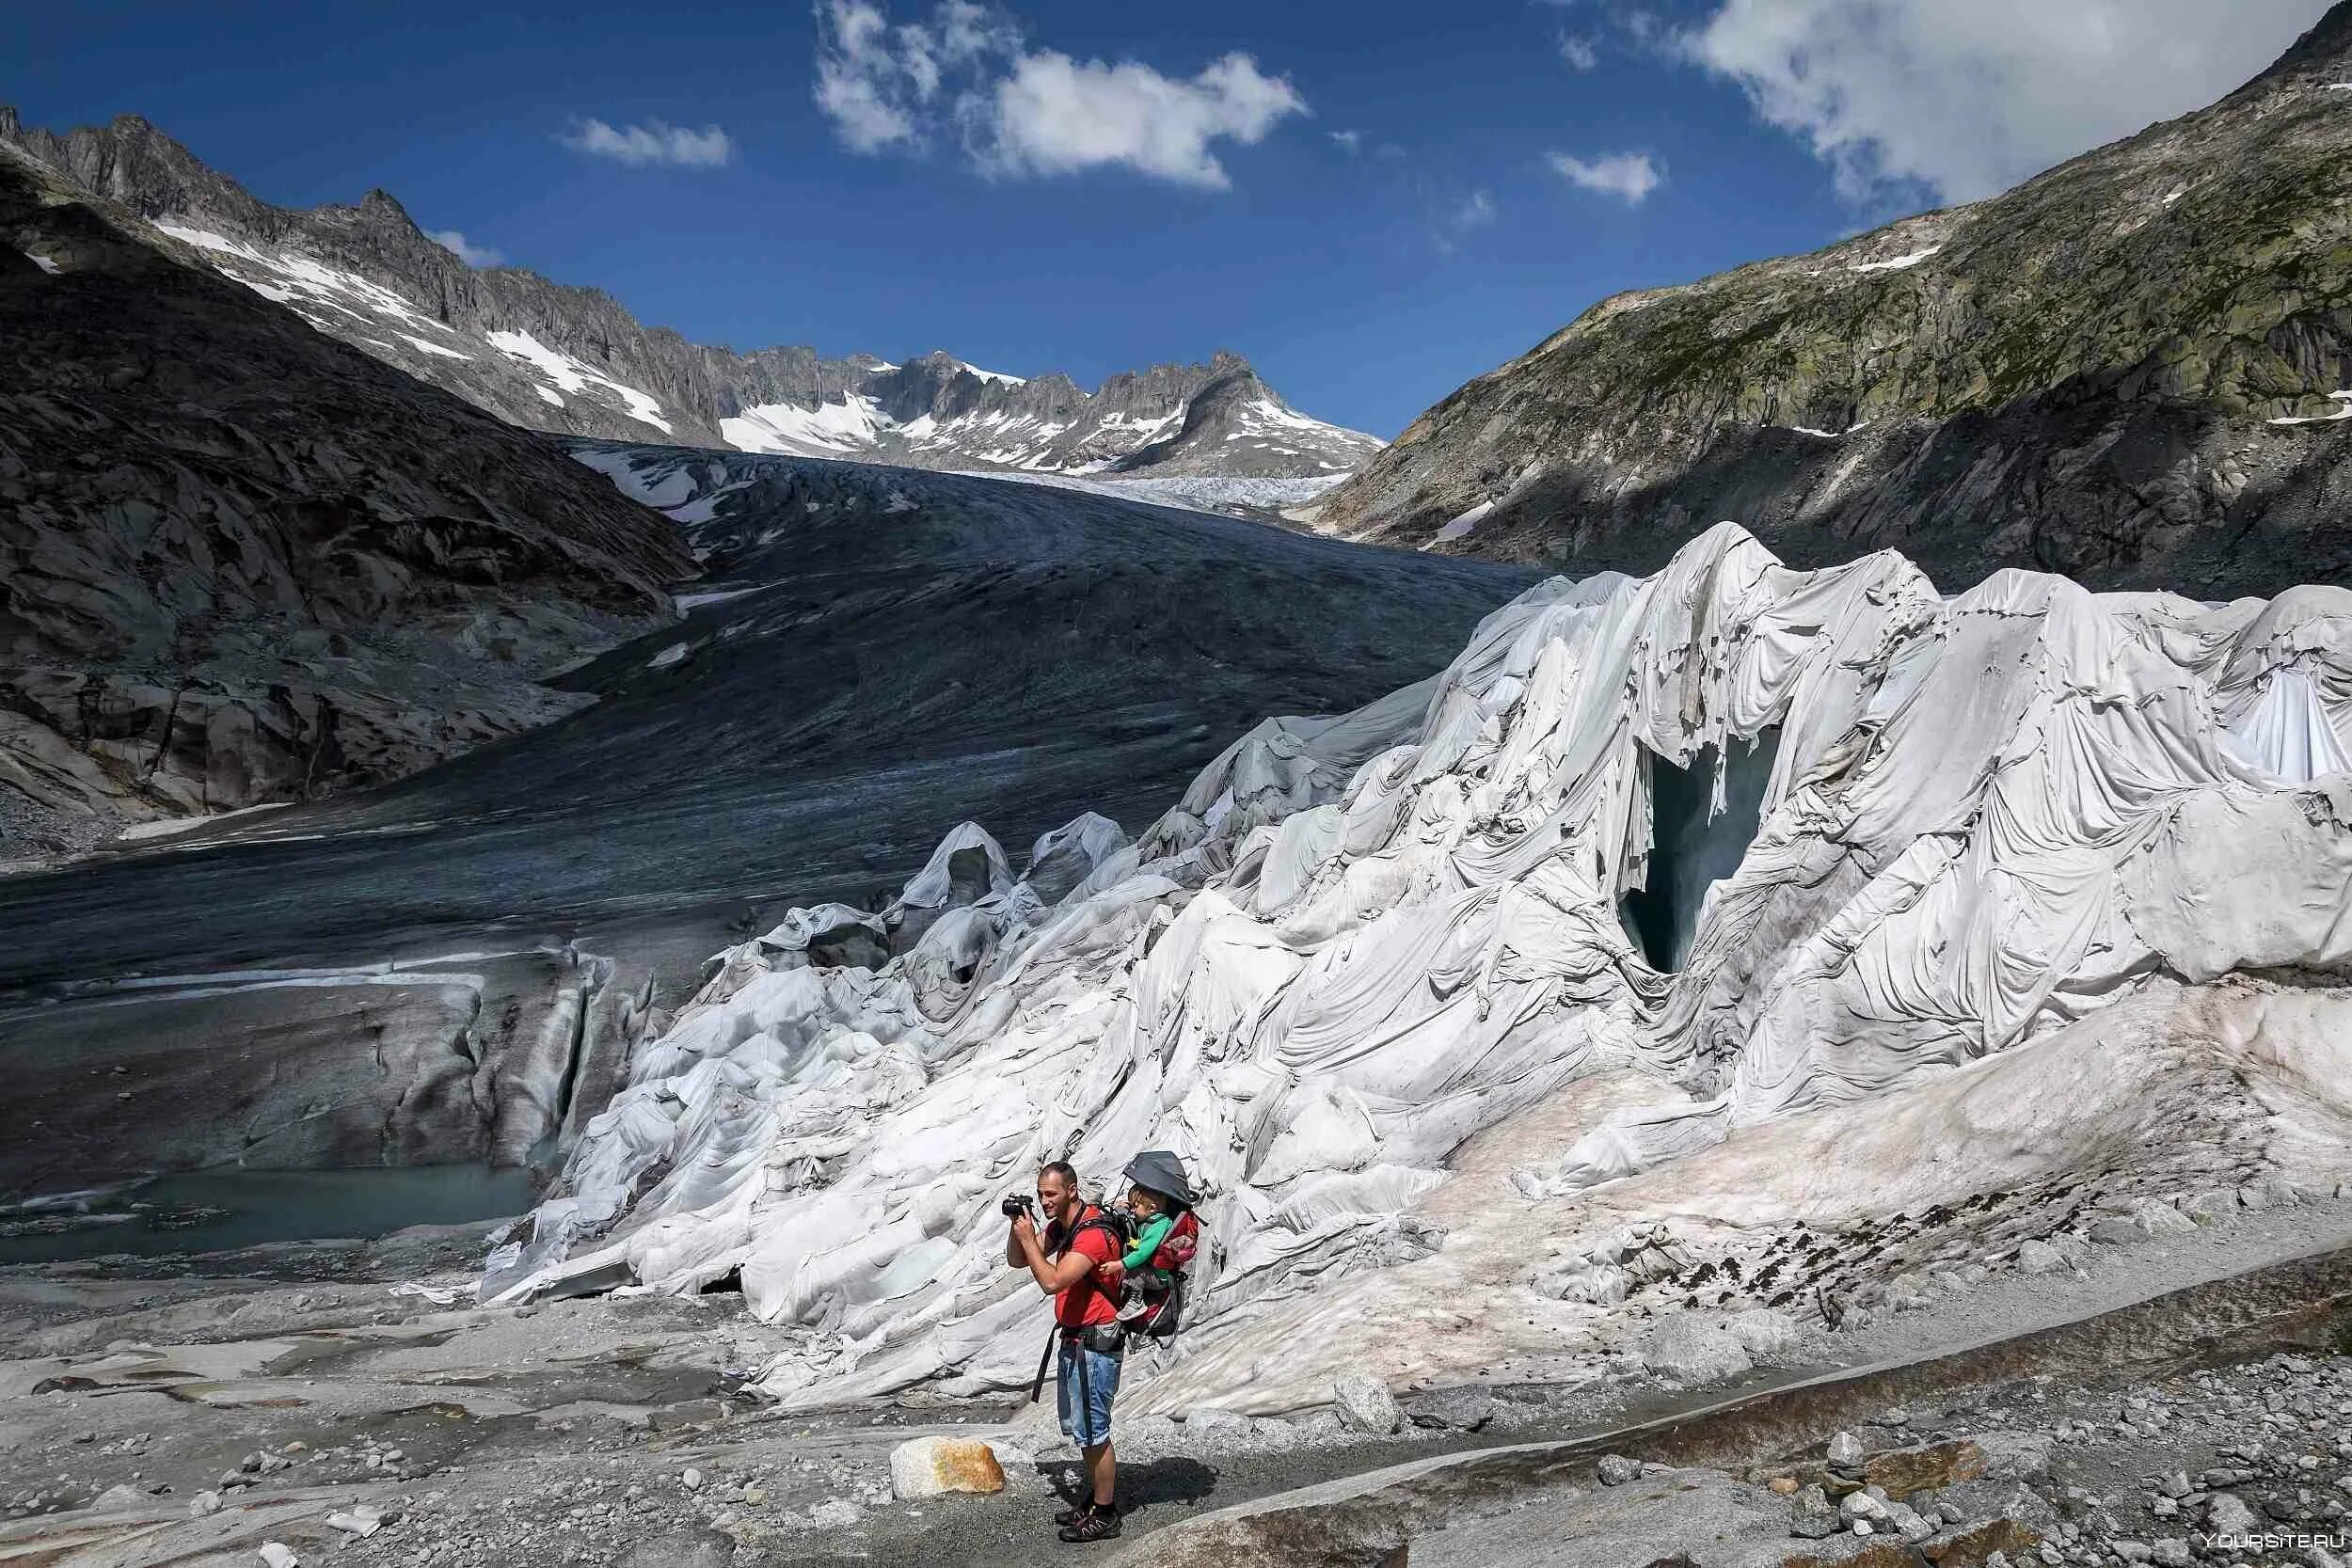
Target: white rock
x=277, y=1553
x=1910, y=1524
x=1861, y=1504
x=1206, y=1421
x=2040, y=1256
x=1763, y=1332
x=2161, y=1219
x=1365, y=1404
x=1693, y=1352
x=2227, y=1514
x=935, y=1466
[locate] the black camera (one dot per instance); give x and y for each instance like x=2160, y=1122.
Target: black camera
x=1020, y=1203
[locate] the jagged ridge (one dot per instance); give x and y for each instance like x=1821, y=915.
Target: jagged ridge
x=566, y=359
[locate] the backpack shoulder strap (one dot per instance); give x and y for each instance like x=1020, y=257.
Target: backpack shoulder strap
x=1093, y=1218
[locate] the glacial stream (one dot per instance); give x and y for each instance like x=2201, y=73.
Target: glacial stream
x=216, y=1211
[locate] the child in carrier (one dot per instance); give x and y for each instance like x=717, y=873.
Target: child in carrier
x=1161, y=1200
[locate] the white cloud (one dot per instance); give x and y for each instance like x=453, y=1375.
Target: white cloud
x=653, y=142
x=1054, y=115
x=471, y=254
x=879, y=83
x=1351, y=140
x=899, y=86
x=1581, y=53
x=1963, y=97
x=1475, y=211
x=1626, y=175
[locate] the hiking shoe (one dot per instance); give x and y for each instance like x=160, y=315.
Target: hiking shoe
x=1091, y=1525
x=1072, y=1514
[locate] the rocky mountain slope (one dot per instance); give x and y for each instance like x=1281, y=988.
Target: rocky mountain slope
x=556, y=357
x=2135, y=368
x=241, y=563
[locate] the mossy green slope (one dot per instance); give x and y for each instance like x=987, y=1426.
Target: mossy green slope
x=2079, y=374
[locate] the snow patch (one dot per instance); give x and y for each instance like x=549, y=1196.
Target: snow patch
x=719, y=595
x=2342, y=411
x=423, y=347
x=573, y=376
x=292, y=275
x=46, y=263
x=548, y=394
x=1459, y=527
x=826, y=430
x=1896, y=263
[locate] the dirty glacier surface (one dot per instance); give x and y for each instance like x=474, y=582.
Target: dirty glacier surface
x=2016, y=832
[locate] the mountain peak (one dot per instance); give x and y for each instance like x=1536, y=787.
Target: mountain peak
x=2328, y=40
x=556, y=357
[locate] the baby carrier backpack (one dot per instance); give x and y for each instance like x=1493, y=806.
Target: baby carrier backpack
x=1160, y=1283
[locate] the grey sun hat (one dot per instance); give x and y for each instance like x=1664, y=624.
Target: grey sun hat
x=1162, y=1172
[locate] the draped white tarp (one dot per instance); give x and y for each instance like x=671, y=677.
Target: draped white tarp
x=1357, y=941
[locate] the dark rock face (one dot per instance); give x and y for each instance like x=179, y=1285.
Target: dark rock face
x=241, y=563
x=571, y=360
x=2085, y=374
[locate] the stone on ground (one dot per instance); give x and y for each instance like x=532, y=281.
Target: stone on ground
x=1693, y=1352
x=1762, y=1332
x=1208, y=1421
x=931, y=1466
x=1615, y=1469
x=1931, y=1468
x=1814, y=1515
x=1365, y=1404
x=1464, y=1409
x=686, y=1549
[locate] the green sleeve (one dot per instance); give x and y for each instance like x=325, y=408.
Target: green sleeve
x=1148, y=1241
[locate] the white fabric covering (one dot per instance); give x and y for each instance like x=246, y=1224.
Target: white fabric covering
x=1357, y=941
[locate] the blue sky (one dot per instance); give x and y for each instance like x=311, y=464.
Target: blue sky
x=1380, y=201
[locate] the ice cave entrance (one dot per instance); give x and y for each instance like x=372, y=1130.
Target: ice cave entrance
x=1692, y=847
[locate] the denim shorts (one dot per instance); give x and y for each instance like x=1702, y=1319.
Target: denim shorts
x=1102, y=1386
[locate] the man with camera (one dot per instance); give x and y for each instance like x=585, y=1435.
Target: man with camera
x=1089, y=1347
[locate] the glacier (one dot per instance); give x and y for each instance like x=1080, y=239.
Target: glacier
x=1996, y=907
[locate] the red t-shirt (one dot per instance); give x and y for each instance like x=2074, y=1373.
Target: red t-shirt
x=1086, y=1303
